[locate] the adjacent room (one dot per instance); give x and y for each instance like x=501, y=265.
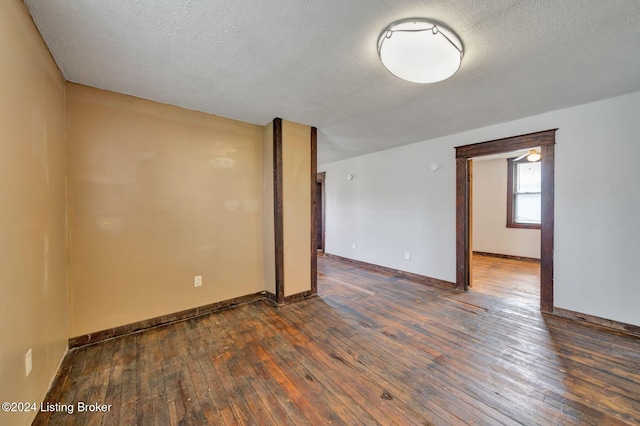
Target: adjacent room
x=361, y=212
x=506, y=219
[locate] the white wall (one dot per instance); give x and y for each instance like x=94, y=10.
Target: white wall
x=395, y=203
x=490, y=232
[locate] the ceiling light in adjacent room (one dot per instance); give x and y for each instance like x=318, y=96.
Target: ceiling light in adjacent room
x=420, y=51
x=534, y=155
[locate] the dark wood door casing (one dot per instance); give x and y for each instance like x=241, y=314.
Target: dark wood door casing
x=546, y=141
x=320, y=178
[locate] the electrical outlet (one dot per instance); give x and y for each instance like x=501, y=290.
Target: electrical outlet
x=197, y=281
x=353, y=246
x=407, y=255
x=28, y=364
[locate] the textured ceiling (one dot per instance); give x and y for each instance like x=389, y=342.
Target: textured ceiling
x=315, y=62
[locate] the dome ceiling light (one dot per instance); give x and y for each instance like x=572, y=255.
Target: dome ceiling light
x=533, y=155
x=420, y=51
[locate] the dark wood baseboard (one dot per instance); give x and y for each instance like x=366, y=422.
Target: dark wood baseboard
x=135, y=327
x=507, y=256
x=270, y=297
x=602, y=322
x=298, y=297
x=422, y=279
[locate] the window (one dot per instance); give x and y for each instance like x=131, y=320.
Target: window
x=524, y=193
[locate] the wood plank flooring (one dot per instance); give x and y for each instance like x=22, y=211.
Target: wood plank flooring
x=517, y=280
x=371, y=349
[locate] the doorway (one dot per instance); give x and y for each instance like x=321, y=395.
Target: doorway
x=320, y=179
x=464, y=163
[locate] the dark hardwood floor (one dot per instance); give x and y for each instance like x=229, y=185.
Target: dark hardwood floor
x=371, y=349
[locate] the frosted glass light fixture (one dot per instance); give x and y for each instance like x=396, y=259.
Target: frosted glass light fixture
x=420, y=51
x=534, y=155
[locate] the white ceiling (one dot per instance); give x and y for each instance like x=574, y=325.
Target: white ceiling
x=315, y=62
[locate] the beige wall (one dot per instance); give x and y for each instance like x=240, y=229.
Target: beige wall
x=33, y=282
x=296, y=195
x=157, y=195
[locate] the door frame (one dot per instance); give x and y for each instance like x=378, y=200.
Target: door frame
x=464, y=154
x=320, y=179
